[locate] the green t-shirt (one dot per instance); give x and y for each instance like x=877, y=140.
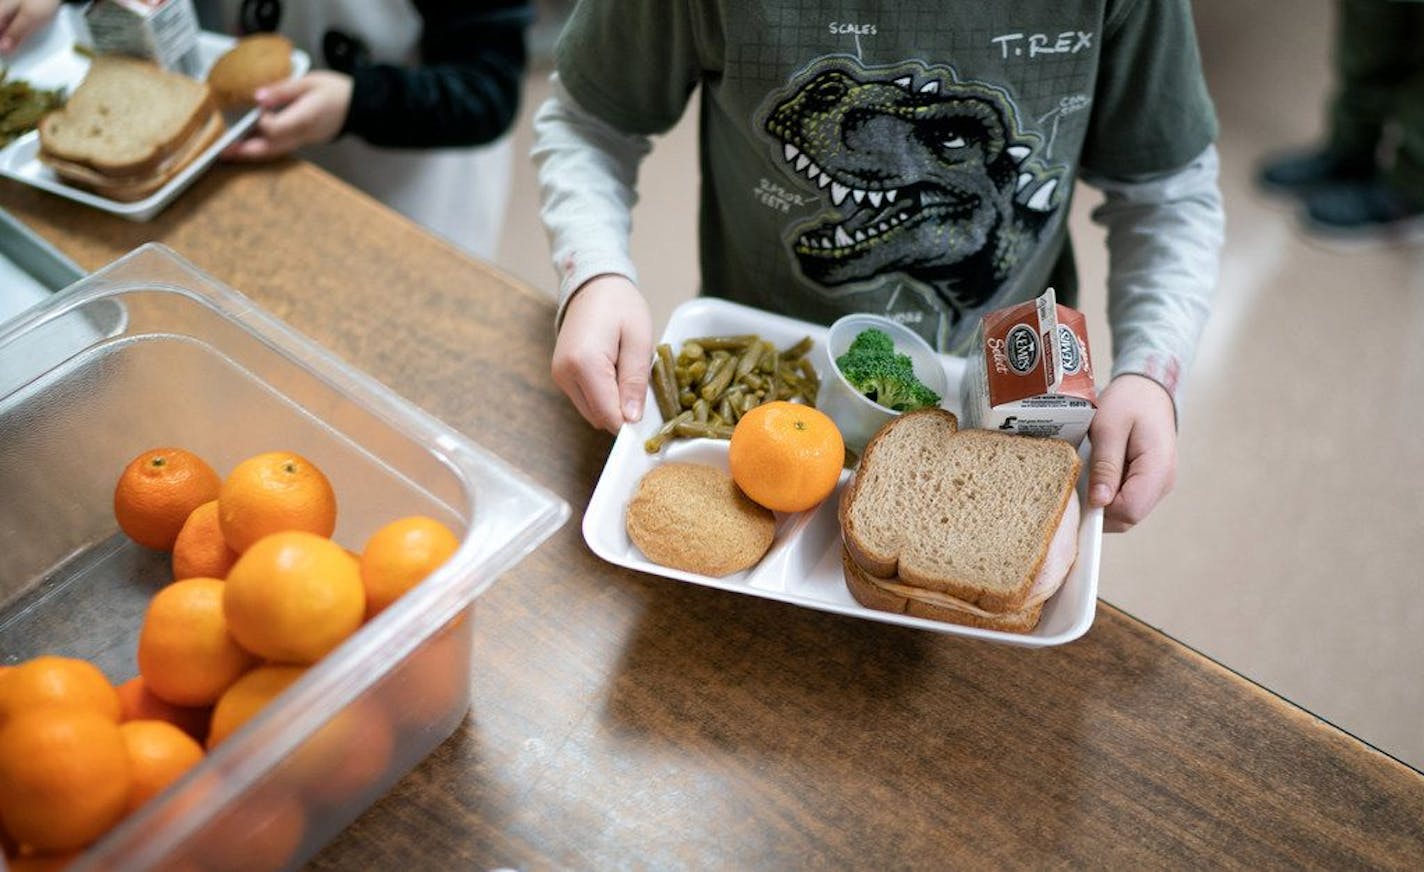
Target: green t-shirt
x=914, y=158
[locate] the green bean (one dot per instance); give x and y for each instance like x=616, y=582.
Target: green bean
x=812, y=386
x=703, y=430
x=686, y=399
x=725, y=343
x=799, y=350
x=697, y=370
x=692, y=351
x=655, y=442
x=700, y=410
x=724, y=411
x=664, y=391
x=714, y=385
x=683, y=377
x=748, y=361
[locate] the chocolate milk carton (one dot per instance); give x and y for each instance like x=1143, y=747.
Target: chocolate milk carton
x=1029, y=372
x=165, y=31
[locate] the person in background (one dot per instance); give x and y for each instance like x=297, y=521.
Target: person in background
x=409, y=100
x=913, y=163
x=1367, y=177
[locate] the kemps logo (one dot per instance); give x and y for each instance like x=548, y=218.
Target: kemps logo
x=1070, y=352
x=1021, y=348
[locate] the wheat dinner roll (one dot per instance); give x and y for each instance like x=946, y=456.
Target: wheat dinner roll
x=256, y=60
x=692, y=517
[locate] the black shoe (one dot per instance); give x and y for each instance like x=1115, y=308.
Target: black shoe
x=1305, y=171
x=1364, y=210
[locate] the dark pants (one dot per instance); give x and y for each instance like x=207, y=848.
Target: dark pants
x=1379, y=66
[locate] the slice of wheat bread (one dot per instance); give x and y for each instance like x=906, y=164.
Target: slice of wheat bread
x=132, y=188
x=126, y=117
x=967, y=513
x=891, y=596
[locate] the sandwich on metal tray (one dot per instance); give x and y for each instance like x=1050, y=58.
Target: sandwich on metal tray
x=974, y=527
x=129, y=128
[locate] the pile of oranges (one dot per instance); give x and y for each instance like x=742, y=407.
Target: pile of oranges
x=260, y=592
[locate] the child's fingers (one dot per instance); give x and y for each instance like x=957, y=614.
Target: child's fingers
x=281, y=93
x=634, y=352
x=1105, y=466
x=1150, y=475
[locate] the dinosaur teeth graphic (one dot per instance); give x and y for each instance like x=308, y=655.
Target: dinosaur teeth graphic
x=839, y=191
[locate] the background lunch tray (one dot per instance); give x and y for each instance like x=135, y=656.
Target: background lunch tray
x=804, y=563
x=30, y=268
x=48, y=60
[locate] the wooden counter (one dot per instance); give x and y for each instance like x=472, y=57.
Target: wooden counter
x=626, y=721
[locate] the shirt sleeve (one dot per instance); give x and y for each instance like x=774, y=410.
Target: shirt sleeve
x=1164, y=237
x=464, y=92
x=634, y=63
x=587, y=172
x=1151, y=110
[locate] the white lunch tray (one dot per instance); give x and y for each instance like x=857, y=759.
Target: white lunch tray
x=804, y=563
x=48, y=60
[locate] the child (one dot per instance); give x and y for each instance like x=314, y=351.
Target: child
x=400, y=93
x=914, y=160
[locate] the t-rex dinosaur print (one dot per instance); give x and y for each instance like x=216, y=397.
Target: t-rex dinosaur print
x=928, y=176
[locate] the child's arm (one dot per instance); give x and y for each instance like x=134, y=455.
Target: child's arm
x=587, y=178
x=1164, y=238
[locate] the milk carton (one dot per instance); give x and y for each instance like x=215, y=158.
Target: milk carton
x=1029, y=372
x=165, y=31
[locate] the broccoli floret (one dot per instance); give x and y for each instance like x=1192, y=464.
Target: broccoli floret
x=885, y=376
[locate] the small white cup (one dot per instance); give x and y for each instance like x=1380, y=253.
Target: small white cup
x=857, y=416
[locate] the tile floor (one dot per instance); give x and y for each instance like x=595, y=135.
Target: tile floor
x=1293, y=547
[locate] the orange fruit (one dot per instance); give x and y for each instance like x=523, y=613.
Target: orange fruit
x=140, y=704
x=432, y=685
x=258, y=834
x=294, y=596
x=271, y=493
x=64, y=777
x=200, y=551
x=347, y=755
x=186, y=654
x=158, y=490
x=248, y=696
x=159, y=754
x=43, y=862
x=786, y=456
x=56, y=681
x=401, y=554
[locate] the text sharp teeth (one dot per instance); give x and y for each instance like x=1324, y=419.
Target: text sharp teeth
x=812, y=171
x=823, y=180
x=1018, y=152
x=860, y=236
x=890, y=195
x=826, y=243
x=875, y=198
x=842, y=238
x=801, y=162
x=929, y=88
x=883, y=226
x=904, y=82
x=790, y=151
x=1024, y=179
x=838, y=193
x=860, y=196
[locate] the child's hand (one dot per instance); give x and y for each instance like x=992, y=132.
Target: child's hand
x=295, y=113
x=1134, y=461
x=604, y=352
x=20, y=18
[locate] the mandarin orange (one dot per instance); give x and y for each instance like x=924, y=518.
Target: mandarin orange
x=159, y=754
x=294, y=596
x=786, y=456
x=200, y=551
x=272, y=493
x=400, y=555
x=56, y=681
x=64, y=777
x=157, y=492
x=248, y=696
x=186, y=652
x=140, y=704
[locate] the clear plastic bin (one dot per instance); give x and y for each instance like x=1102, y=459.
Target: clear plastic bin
x=149, y=351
